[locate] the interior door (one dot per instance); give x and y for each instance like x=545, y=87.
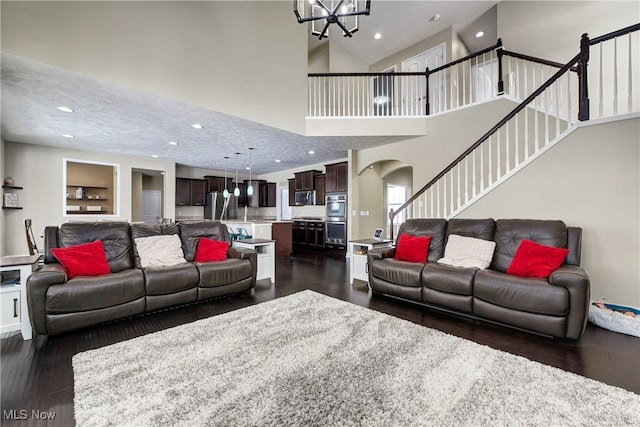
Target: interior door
x=414, y=89
x=151, y=206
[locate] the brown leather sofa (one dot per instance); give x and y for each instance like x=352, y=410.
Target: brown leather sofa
x=556, y=306
x=58, y=304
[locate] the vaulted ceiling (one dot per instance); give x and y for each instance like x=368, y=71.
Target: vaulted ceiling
x=138, y=75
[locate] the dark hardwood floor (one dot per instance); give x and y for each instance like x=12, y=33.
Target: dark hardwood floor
x=37, y=374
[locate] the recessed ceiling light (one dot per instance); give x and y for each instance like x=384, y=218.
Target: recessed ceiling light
x=277, y=160
x=479, y=34
x=248, y=168
x=435, y=17
x=197, y=126
x=155, y=156
x=377, y=36
x=173, y=143
x=67, y=135
x=65, y=109
x=312, y=152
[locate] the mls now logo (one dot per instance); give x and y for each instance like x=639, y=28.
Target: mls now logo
x=23, y=414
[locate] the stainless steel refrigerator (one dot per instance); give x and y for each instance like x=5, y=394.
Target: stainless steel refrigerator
x=217, y=207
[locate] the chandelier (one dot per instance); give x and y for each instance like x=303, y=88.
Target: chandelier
x=323, y=13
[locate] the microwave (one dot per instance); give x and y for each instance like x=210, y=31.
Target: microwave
x=305, y=198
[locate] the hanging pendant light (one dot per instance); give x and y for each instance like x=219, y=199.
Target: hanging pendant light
x=236, y=191
x=225, y=193
x=250, y=187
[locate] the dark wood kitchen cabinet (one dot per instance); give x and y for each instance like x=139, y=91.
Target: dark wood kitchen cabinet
x=198, y=192
x=242, y=198
x=216, y=183
x=320, y=188
x=183, y=191
x=191, y=192
x=304, y=181
x=267, y=195
x=292, y=192
x=281, y=232
x=336, y=177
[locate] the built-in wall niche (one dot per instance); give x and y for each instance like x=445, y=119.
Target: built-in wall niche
x=91, y=188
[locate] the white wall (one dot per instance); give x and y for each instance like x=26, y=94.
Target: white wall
x=196, y=52
x=395, y=60
x=552, y=29
x=448, y=136
x=589, y=180
x=39, y=170
x=319, y=59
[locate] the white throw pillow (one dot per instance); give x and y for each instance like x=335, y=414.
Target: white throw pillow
x=160, y=251
x=468, y=252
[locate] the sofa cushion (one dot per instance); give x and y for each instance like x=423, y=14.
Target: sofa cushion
x=478, y=228
x=467, y=252
x=232, y=270
x=413, y=248
x=159, y=251
x=92, y=293
x=170, y=279
x=399, y=272
x=511, y=232
x=211, y=250
x=535, y=260
x=453, y=280
x=114, y=235
x=191, y=232
x=531, y=295
x=436, y=228
x=146, y=230
x=87, y=259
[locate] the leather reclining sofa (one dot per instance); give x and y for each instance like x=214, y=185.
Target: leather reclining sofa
x=557, y=306
x=58, y=304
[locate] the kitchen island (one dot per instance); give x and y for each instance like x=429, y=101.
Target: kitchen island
x=280, y=231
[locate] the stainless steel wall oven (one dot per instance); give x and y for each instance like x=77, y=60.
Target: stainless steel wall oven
x=336, y=220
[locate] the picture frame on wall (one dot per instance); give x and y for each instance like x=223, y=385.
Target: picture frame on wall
x=10, y=200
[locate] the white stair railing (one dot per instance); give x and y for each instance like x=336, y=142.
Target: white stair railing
x=544, y=118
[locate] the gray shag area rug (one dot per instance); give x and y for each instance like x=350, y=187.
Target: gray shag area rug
x=308, y=359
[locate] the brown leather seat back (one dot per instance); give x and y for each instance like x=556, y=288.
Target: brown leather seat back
x=436, y=228
x=190, y=233
x=114, y=235
x=511, y=232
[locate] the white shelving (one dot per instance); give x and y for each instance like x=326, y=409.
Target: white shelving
x=13, y=296
x=359, y=267
x=266, y=250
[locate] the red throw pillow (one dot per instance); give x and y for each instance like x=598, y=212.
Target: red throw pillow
x=87, y=259
x=413, y=248
x=211, y=250
x=535, y=260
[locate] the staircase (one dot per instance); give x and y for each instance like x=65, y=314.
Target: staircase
x=545, y=117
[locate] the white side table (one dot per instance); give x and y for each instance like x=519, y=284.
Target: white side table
x=359, y=267
x=266, y=250
x=13, y=297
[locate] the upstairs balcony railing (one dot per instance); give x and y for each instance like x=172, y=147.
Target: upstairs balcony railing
x=479, y=77
x=541, y=120
x=475, y=78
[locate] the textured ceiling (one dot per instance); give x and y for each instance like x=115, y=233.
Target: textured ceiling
x=117, y=119
x=111, y=118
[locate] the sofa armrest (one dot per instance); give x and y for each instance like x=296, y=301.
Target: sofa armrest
x=576, y=281
x=381, y=253
x=249, y=254
x=37, y=285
